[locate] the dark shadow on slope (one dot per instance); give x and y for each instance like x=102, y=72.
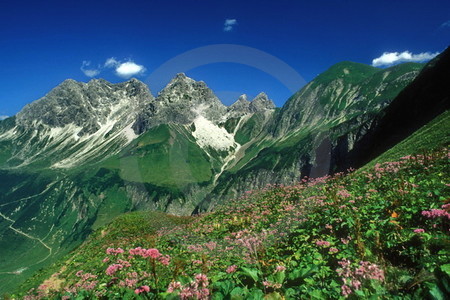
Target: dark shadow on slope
x=420, y=102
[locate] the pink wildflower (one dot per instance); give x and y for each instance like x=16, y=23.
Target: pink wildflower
x=346, y=290
x=136, y=251
x=435, y=213
x=323, y=243
x=201, y=279
x=345, y=241
x=333, y=250
x=165, y=260
x=356, y=284
x=152, y=253
x=343, y=193
x=130, y=282
x=231, y=269
x=173, y=286
x=419, y=230
x=142, y=289
x=211, y=245
x=113, y=251
x=280, y=269
x=112, y=269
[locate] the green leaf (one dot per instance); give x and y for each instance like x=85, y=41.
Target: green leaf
x=217, y=296
x=436, y=293
x=256, y=295
x=224, y=286
x=273, y=296
x=253, y=273
x=279, y=277
x=300, y=273
x=317, y=294
x=446, y=268
x=237, y=293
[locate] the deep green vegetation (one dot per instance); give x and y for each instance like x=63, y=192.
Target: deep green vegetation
x=334, y=106
x=167, y=148
x=381, y=233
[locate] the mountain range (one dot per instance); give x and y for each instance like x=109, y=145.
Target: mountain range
x=87, y=152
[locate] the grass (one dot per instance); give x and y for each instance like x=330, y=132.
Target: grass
x=165, y=156
x=380, y=233
x=432, y=135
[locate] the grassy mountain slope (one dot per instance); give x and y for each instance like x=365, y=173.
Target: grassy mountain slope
x=165, y=155
x=382, y=232
x=299, y=140
x=46, y=213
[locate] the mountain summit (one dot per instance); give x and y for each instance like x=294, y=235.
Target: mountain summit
x=243, y=107
x=180, y=102
x=86, y=105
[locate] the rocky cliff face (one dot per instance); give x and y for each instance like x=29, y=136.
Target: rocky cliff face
x=244, y=107
x=87, y=106
x=261, y=103
x=345, y=90
x=181, y=102
x=76, y=123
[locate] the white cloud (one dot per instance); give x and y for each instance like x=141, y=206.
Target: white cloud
x=111, y=62
x=392, y=58
x=229, y=24
x=3, y=117
x=128, y=69
x=445, y=24
x=122, y=69
x=89, y=72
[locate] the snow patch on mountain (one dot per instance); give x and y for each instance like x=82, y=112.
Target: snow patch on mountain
x=7, y=135
x=96, y=143
x=209, y=134
x=61, y=133
x=129, y=133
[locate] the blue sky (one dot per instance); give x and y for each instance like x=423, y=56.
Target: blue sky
x=44, y=42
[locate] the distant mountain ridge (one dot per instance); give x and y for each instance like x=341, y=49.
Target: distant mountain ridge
x=87, y=152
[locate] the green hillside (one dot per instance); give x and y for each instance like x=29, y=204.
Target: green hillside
x=379, y=233
x=166, y=156
x=334, y=105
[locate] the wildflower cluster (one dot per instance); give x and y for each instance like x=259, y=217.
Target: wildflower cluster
x=353, y=278
x=346, y=235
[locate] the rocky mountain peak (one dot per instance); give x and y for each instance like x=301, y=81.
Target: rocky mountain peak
x=183, y=88
x=180, y=82
x=239, y=108
x=261, y=102
x=180, y=102
x=243, y=107
x=242, y=98
x=86, y=105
